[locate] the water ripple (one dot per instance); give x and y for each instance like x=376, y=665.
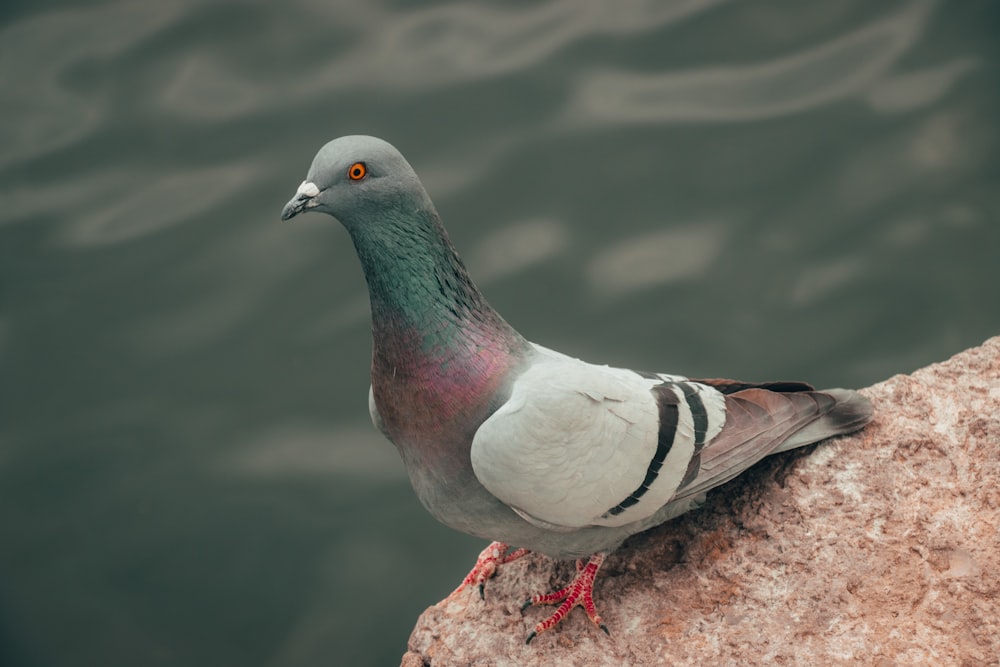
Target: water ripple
x=832, y=71
x=156, y=202
x=516, y=247
x=313, y=450
x=821, y=278
x=41, y=111
x=919, y=88
x=458, y=42
x=939, y=147
x=233, y=277
x=204, y=88
x=655, y=259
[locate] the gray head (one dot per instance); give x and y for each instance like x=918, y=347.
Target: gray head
x=354, y=177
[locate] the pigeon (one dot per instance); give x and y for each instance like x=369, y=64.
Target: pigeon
x=519, y=444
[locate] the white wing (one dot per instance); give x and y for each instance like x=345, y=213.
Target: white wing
x=575, y=440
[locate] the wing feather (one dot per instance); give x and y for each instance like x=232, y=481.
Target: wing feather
x=578, y=444
x=572, y=441
x=758, y=421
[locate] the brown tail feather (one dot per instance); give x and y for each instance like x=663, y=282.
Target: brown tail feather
x=850, y=413
x=761, y=421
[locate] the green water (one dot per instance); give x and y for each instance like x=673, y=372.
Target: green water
x=762, y=190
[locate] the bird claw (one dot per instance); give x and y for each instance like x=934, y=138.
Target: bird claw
x=579, y=593
x=486, y=567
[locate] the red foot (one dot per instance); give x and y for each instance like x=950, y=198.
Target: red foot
x=580, y=592
x=486, y=566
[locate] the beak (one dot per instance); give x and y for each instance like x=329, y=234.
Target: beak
x=305, y=197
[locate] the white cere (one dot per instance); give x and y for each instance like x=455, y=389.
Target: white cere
x=307, y=189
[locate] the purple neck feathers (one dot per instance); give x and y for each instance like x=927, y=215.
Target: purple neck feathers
x=442, y=358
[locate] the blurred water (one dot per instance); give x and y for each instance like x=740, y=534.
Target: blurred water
x=187, y=476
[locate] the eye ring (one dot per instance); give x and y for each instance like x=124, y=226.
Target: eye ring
x=357, y=171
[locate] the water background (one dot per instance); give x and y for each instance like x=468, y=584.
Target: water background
x=760, y=190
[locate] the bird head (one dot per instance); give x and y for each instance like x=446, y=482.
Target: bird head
x=354, y=177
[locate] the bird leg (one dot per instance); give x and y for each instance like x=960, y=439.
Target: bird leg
x=580, y=592
x=486, y=567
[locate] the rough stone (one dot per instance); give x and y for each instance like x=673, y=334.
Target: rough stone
x=880, y=548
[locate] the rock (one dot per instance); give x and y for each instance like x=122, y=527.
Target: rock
x=880, y=548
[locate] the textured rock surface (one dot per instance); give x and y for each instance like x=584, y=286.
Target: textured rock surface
x=881, y=548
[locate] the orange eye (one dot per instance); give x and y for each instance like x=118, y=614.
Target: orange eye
x=357, y=171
